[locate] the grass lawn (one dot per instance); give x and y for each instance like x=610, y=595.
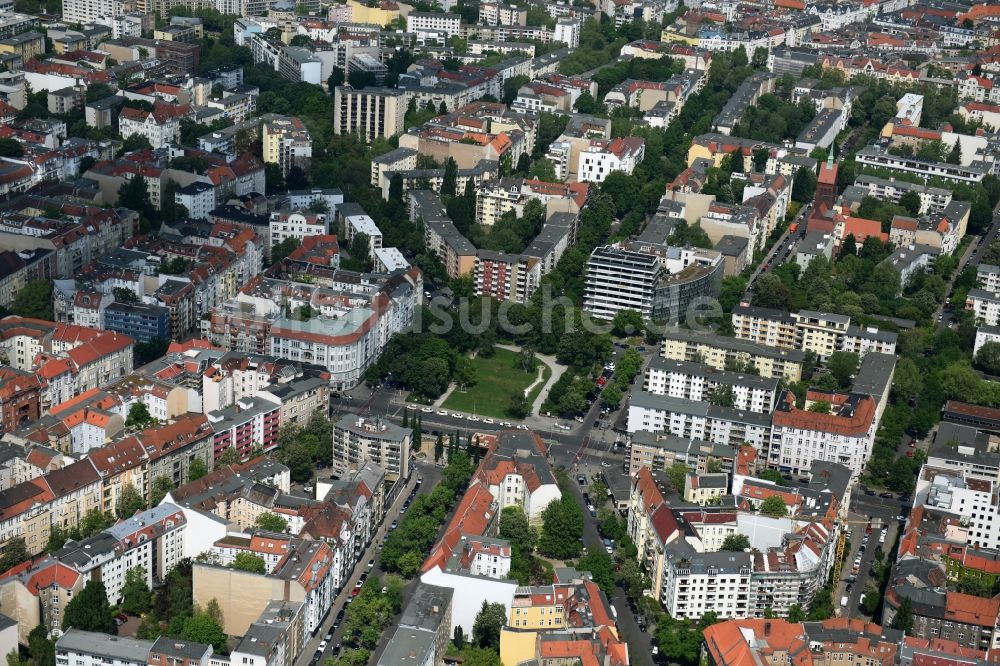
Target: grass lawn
x=497, y=378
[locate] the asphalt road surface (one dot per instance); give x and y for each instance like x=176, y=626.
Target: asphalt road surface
x=431, y=478
x=864, y=509
x=782, y=249
x=640, y=644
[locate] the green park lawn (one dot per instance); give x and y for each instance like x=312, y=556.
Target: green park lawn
x=497, y=378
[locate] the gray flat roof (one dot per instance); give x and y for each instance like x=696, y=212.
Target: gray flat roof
x=94, y=643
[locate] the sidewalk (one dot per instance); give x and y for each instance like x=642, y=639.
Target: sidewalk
x=557, y=372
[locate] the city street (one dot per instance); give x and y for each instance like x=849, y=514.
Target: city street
x=431, y=476
x=866, y=509
x=639, y=643
x=569, y=439
x=782, y=249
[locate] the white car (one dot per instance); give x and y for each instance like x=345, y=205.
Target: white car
x=490, y=421
x=521, y=426
x=472, y=417
x=411, y=406
x=443, y=412
x=322, y=645
x=427, y=410
x=610, y=550
x=506, y=424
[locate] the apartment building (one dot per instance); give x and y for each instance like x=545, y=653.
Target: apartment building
x=357, y=316
x=152, y=539
x=61, y=497
x=844, y=436
x=433, y=22
x=602, y=157
x=658, y=281
x=357, y=441
x=249, y=426
x=561, y=619
x=370, y=113
x=690, y=419
x=37, y=594
x=286, y=142
x=657, y=452
x=304, y=575
x=354, y=221
x=724, y=353
x=497, y=197
x=619, y=279
x=697, y=583
x=517, y=473
x=235, y=495
x=455, y=251
x=818, y=332
x=423, y=632
x=988, y=277
x=297, y=224
x=275, y=639
x=399, y=159
x=87, y=648
x=700, y=382
x=20, y=398
x=742, y=641
x=954, y=173
x=932, y=199
x=985, y=305
x=160, y=126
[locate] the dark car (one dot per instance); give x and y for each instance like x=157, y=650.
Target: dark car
x=870, y=493
x=885, y=495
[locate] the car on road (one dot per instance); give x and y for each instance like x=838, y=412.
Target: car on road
x=394, y=525
x=443, y=412
x=120, y=619
x=322, y=645
x=489, y=421
x=609, y=550
x=869, y=493
x=521, y=426
x=411, y=407
x=885, y=495
x=371, y=563
x=427, y=410
x=340, y=617
x=355, y=591
x=328, y=637
x=605, y=463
